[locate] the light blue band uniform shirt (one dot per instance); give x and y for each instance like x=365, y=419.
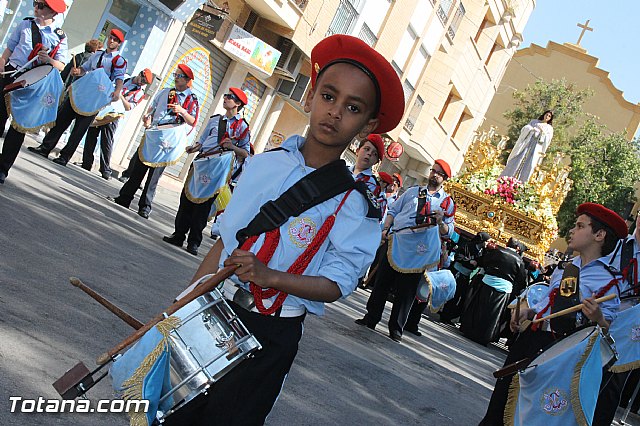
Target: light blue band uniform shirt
x=159, y=106
x=94, y=61
x=20, y=43
x=593, y=276
x=132, y=92
x=343, y=257
x=414, y=251
x=209, y=138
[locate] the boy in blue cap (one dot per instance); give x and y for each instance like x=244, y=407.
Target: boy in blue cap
x=312, y=258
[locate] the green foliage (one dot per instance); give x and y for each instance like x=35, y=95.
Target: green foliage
x=563, y=98
x=605, y=167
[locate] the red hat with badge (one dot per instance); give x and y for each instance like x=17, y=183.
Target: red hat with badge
x=148, y=75
x=341, y=48
x=607, y=217
x=186, y=70
x=58, y=6
x=386, y=178
x=445, y=167
x=240, y=95
x=117, y=34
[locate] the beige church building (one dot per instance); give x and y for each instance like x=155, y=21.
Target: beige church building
x=573, y=63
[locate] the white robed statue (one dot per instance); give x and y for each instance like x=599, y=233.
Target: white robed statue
x=533, y=142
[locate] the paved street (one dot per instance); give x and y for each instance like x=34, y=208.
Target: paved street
x=56, y=223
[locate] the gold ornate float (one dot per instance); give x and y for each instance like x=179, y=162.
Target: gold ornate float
x=527, y=213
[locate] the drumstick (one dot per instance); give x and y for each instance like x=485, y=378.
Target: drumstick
x=570, y=310
x=106, y=303
x=370, y=276
x=203, y=288
x=74, y=61
x=14, y=72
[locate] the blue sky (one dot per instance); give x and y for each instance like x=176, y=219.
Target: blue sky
x=614, y=39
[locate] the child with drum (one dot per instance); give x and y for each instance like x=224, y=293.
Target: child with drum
x=304, y=260
x=596, y=232
x=35, y=41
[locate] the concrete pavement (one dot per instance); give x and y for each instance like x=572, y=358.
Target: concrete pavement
x=57, y=223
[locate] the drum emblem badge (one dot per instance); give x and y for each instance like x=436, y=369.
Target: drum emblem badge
x=421, y=248
x=205, y=179
x=101, y=87
x=302, y=231
x=47, y=100
x=568, y=286
x=554, y=401
x=635, y=333
x=166, y=146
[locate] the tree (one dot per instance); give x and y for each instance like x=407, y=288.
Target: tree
x=563, y=98
x=604, y=168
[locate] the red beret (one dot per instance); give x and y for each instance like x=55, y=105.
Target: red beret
x=378, y=143
x=58, y=6
x=386, y=178
x=398, y=177
x=445, y=167
x=186, y=70
x=117, y=34
x=605, y=216
x=348, y=49
x=148, y=75
x=240, y=94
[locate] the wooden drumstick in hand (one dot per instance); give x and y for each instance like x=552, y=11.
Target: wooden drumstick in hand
x=576, y=308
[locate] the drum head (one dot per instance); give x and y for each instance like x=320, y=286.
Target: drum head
x=563, y=345
x=629, y=302
x=35, y=74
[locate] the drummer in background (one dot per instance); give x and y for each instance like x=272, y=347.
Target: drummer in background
x=115, y=66
x=368, y=154
x=596, y=232
x=90, y=48
x=191, y=217
x=343, y=103
x=159, y=112
x=625, y=258
x=132, y=93
x=49, y=44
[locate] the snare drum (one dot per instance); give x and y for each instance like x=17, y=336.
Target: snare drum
x=625, y=330
x=607, y=351
x=29, y=78
x=163, y=145
x=531, y=296
x=210, y=341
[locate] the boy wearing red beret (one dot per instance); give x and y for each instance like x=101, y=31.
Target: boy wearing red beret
x=314, y=257
x=595, y=235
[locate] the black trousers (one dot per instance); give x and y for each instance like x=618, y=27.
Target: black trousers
x=65, y=117
x=415, y=314
x=405, y=285
x=528, y=345
x=128, y=190
x=609, y=397
x=192, y=218
x=454, y=307
x=106, y=133
x=4, y=114
x=246, y=395
x=10, y=149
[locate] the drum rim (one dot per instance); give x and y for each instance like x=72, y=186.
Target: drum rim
x=577, y=330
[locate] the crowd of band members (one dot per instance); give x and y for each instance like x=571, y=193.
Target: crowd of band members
x=405, y=252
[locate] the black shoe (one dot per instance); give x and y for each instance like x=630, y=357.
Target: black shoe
x=115, y=200
x=106, y=176
x=395, y=335
x=123, y=179
x=143, y=213
x=192, y=248
x=39, y=150
x=3, y=176
x=362, y=321
x=415, y=332
x=61, y=161
x=173, y=239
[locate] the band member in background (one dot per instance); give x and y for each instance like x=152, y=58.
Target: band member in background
x=318, y=255
x=33, y=37
x=411, y=252
x=225, y=143
x=368, y=154
x=132, y=93
x=177, y=105
x=115, y=66
x=595, y=235
x=90, y=48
